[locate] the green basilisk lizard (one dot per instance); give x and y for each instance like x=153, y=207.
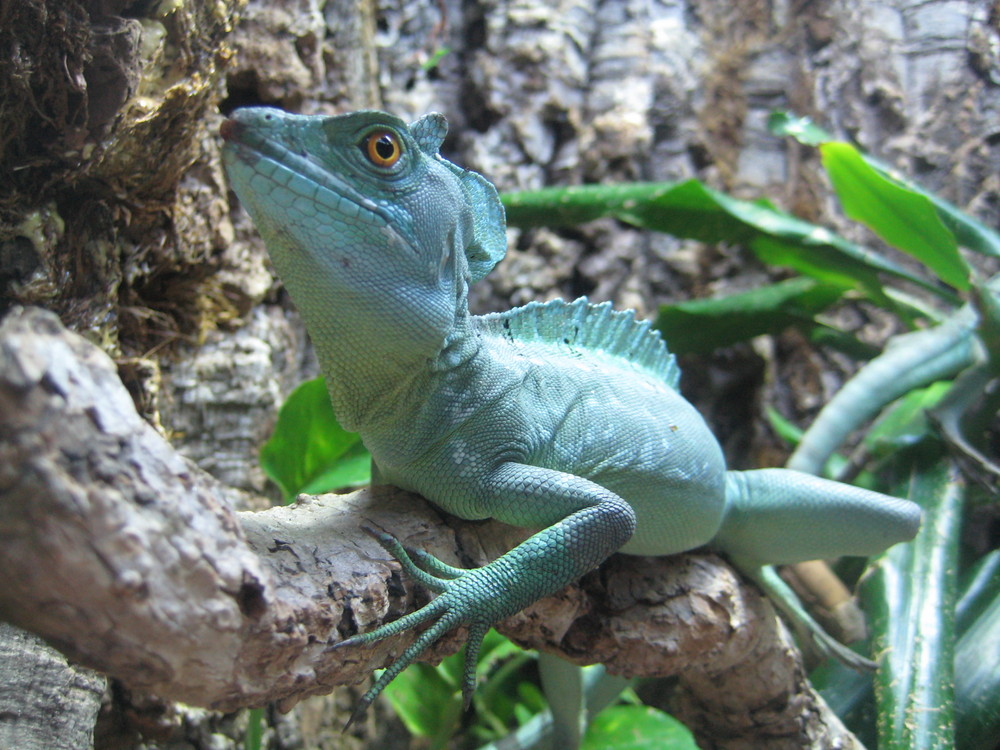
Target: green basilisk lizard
x=563, y=417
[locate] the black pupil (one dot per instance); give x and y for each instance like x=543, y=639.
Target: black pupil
x=385, y=147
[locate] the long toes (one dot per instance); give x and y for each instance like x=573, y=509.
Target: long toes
x=359, y=711
x=382, y=537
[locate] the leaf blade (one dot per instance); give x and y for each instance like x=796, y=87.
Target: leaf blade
x=911, y=596
x=700, y=325
x=903, y=218
x=308, y=445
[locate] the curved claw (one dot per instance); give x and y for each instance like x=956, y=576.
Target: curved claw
x=340, y=644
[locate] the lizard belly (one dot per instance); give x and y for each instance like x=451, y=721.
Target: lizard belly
x=649, y=446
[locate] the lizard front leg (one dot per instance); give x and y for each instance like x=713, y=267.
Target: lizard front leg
x=582, y=525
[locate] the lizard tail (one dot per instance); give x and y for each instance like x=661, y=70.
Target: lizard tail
x=779, y=516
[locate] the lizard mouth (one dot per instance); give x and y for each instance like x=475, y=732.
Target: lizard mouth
x=268, y=157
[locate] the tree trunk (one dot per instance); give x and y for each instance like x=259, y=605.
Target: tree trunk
x=114, y=213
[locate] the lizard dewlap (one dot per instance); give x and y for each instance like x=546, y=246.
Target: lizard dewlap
x=563, y=417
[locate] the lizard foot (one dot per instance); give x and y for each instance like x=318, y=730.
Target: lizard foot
x=473, y=597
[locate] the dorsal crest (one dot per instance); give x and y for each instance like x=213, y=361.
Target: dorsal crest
x=581, y=326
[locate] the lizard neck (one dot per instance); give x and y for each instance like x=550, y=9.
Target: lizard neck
x=375, y=380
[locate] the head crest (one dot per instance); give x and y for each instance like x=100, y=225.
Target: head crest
x=489, y=224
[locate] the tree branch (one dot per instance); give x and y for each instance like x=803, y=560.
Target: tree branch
x=131, y=560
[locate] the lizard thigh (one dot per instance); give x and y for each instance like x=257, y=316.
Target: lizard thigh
x=677, y=517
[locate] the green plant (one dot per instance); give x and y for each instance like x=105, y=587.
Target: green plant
x=309, y=451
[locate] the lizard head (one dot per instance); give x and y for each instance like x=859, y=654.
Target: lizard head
x=365, y=223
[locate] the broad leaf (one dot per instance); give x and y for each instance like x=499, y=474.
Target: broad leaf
x=637, y=728
x=309, y=451
x=901, y=217
x=694, y=211
x=977, y=655
x=905, y=424
x=980, y=586
x=911, y=597
x=702, y=325
x=969, y=232
x=428, y=702
x=977, y=680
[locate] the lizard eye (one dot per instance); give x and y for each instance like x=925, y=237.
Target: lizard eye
x=382, y=147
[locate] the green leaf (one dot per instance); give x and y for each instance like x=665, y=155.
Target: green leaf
x=502, y=672
x=911, y=597
x=969, y=232
x=901, y=217
x=694, y=211
x=427, y=702
x=702, y=325
x=432, y=62
x=429, y=699
x=977, y=681
x=980, y=585
x=783, y=239
x=636, y=728
x=309, y=451
x=905, y=424
x=786, y=430
x=826, y=263
x=255, y=729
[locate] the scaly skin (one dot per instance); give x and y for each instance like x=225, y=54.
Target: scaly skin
x=562, y=417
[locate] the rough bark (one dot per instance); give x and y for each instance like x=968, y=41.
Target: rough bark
x=65, y=698
x=131, y=560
